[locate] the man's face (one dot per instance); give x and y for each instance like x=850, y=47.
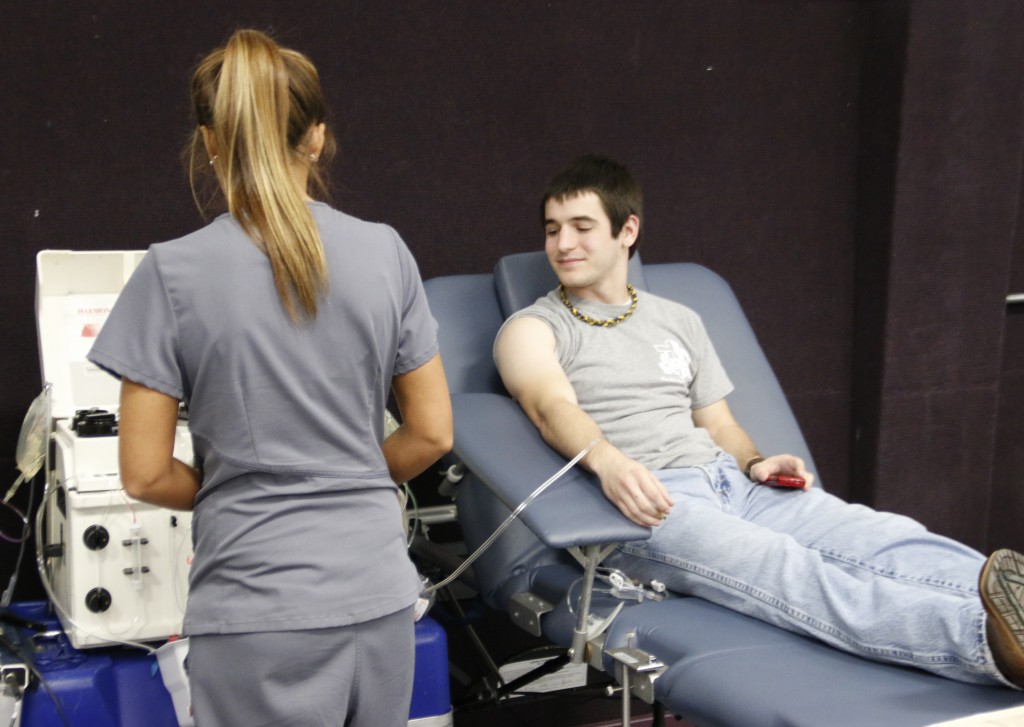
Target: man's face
x=579, y=241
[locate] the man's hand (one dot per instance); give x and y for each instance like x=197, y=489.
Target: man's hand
x=781, y=464
x=630, y=486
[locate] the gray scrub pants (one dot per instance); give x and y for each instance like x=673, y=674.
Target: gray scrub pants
x=351, y=676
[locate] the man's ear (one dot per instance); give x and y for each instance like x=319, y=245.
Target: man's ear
x=630, y=231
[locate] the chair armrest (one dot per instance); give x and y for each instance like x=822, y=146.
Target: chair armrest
x=499, y=444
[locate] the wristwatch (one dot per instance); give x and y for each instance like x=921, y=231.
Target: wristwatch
x=750, y=463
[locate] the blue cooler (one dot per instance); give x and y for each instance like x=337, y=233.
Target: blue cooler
x=122, y=687
x=431, y=702
x=105, y=687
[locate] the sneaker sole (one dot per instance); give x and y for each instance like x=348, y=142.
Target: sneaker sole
x=1002, y=592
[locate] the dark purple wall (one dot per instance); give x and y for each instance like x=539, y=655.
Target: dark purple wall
x=814, y=153
x=933, y=277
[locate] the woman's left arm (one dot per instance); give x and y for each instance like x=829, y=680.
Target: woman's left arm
x=149, y=471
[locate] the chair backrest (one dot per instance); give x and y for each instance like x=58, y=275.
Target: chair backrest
x=757, y=401
x=468, y=317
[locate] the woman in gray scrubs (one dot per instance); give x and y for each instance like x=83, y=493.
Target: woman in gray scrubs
x=283, y=324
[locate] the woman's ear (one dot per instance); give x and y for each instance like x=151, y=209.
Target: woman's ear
x=211, y=148
x=315, y=140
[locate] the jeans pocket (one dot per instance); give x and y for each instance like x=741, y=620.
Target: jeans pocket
x=719, y=483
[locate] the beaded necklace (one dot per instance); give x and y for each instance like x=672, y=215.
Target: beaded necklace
x=606, y=322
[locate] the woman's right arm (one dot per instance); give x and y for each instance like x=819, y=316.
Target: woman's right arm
x=426, y=430
x=149, y=471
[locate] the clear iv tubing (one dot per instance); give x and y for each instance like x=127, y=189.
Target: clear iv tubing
x=515, y=513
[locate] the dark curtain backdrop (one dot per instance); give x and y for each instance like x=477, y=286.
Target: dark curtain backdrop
x=852, y=168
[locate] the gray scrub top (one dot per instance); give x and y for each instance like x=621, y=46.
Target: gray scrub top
x=296, y=524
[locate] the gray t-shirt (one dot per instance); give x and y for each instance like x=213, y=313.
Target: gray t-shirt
x=641, y=379
x=296, y=524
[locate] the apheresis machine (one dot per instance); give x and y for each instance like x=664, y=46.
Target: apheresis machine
x=115, y=568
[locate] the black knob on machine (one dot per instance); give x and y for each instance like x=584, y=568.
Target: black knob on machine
x=98, y=600
x=96, y=537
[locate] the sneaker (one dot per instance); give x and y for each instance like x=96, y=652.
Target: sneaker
x=1001, y=587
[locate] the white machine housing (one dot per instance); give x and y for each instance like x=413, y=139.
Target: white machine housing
x=117, y=567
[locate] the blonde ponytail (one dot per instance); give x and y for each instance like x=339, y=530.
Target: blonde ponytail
x=259, y=103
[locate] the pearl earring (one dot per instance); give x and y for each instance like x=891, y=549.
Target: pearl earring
x=213, y=159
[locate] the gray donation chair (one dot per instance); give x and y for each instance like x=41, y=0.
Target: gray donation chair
x=703, y=662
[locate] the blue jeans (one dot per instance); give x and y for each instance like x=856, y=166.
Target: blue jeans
x=875, y=584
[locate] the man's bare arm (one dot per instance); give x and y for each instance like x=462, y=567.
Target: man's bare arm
x=530, y=369
x=718, y=420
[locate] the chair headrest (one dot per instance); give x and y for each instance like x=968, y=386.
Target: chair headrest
x=522, y=278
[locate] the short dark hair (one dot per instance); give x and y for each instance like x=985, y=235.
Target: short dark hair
x=612, y=182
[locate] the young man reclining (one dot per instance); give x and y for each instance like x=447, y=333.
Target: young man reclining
x=596, y=358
